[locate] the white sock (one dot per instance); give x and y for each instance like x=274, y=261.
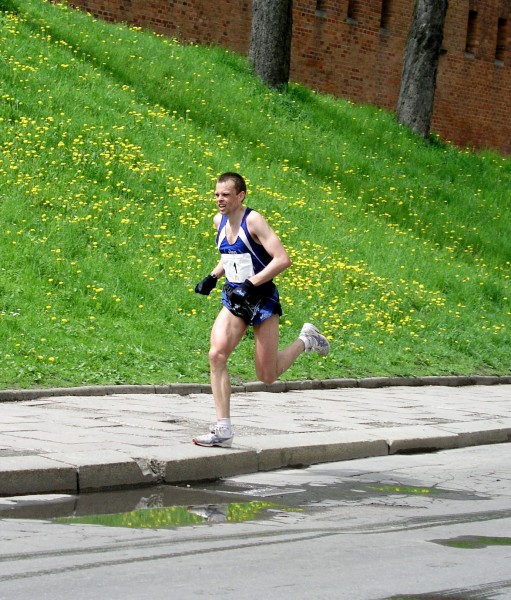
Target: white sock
x=224, y=424
x=306, y=342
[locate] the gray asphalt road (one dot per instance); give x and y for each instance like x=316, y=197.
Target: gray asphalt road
x=396, y=526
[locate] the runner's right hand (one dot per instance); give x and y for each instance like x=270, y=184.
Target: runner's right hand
x=205, y=286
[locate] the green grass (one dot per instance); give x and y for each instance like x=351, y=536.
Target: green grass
x=111, y=140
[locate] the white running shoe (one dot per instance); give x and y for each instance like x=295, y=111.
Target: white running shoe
x=217, y=436
x=314, y=341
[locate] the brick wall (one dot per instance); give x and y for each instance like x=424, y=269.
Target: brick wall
x=354, y=49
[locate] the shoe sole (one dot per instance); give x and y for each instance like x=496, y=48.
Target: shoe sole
x=321, y=350
x=324, y=350
x=217, y=445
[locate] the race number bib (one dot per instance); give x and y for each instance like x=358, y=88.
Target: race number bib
x=238, y=267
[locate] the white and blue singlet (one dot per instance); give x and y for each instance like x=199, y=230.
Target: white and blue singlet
x=242, y=259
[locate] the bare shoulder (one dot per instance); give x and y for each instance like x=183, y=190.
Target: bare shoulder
x=216, y=220
x=256, y=222
x=261, y=230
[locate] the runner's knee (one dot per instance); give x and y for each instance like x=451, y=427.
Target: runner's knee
x=266, y=375
x=217, y=357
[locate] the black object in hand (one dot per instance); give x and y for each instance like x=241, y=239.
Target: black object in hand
x=245, y=300
x=205, y=286
x=243, y=291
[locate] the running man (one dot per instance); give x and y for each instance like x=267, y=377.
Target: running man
x=251, y=256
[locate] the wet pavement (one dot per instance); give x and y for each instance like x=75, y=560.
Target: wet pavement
x=422, y=526
x=228, y=500
x=89, y=439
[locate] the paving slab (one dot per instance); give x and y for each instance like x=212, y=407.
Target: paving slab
x=96, y=438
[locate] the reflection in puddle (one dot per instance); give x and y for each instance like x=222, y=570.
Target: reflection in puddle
x=474, y=541
x=449, y=595
x=214, y=513
x=405, y=489
x=178, y=516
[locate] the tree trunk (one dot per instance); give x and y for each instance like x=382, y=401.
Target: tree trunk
x=270, y=41
x=420, y=65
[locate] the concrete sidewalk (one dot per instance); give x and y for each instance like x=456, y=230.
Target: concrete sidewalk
x=85, y=439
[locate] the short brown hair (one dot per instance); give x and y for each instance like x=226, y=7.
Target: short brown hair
x=240, y=184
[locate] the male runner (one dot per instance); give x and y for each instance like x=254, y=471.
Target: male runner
x=251, y=256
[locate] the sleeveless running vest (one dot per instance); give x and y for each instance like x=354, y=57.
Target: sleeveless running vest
x=245, y=257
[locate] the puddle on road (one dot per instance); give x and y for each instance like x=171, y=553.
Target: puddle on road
x=449, y=595
x=155, y=507
x=488, y=591
x=472, y=542
x=408, y=490
x=222, y=501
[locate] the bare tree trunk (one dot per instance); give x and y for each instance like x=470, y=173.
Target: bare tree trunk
x=270, y=42
x=418, y=79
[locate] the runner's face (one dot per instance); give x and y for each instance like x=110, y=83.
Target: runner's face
x=227, y=199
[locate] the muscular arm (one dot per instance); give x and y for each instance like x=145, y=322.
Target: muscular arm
x=218, y=271
x=264, y=234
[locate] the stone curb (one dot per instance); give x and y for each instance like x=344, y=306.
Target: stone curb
x=74, y=474
x=184, y=389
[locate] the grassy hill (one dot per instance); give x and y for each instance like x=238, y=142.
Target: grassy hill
x=111, y=140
